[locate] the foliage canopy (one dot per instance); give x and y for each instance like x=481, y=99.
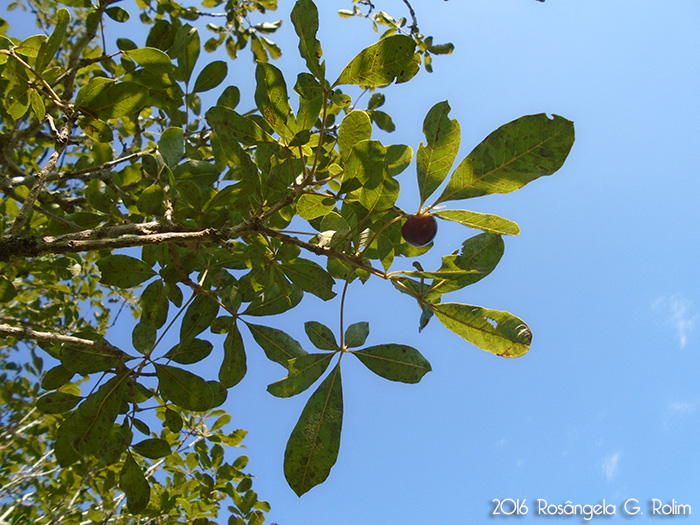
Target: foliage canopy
x=121, y=189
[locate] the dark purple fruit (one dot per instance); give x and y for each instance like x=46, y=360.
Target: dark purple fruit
x=419, y=230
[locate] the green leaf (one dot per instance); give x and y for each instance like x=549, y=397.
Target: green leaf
x=512, y=156
x=274, y=301
x=233, y=367
x=213, y=74
x=117, y=14
x=154, y=304
x=115, y=444
x=394, y=362
x=190, y=351
x=143, y=336
x=498, y=332
x=84, y=431
x=7, y=290
x=310, y=207
x=90, y=359
x=48, y=49
x=310, y=277
x=186, y=389
x=57, y=402
x=320, y=335
x=272, y=99
x=231, y=126
x=173, y=420
x=311, y=96
x=398, y=158
x=56, y=377
x=313, y=446
x=172, y=146
x=186, y=48
x=123, y=271
x=199, y=315
x=434, y=160
x=152, y=448
x=390, y=59
x=480, y=221
x=111, y=99
x=134, y=484
x=303, y=372
x=150, y=58
x=305, y=19
x=356, y=334
x=355, y=127
x=96, y=129
x=277, y=345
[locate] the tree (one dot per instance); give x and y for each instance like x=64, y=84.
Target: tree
x=124, y=191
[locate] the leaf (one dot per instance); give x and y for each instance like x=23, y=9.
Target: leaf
x=117, y=14
x=480, y=255
x=398, y=158
x=57, y=402
x=185, y=389
x=378, y=65
x=498, y=332
x=231, y=126
x=274, y=301
x=190, y=351
x=356, y=334
x=151, y=58
x=303, y=372
x=395, y=362
x=123, y=271
x=84, y=431
x=172, y=146
x=114, y=100
x=56, y=377
x=434, y=160
x=213, y=74
x=277, y=345
x=186, y=48
x=135, y=486
x=355, y=127
x=480, y=221
x=272, y=99
x=305, y=19
x=310, y=277
x=233, y=367
x=90, y=359
x=173, y=420
x=311, y=96
x=310, y=207
x=199, y=315
x=313, y=446
x=512, y=156
x=7, y=290
x=152, y=448
x=49, y=48
x=96, y=129
x=320, y=335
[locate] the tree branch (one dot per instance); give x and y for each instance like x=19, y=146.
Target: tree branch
x=50, y=337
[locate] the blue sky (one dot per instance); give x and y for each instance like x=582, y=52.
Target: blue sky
x=606, y=405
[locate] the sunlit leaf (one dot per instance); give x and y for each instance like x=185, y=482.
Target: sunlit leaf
x=305, y=19
x=390, y=59
x=480, y=221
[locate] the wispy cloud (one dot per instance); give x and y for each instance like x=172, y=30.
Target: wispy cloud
x=681, y=314
x=682, y=408
x=611, y=466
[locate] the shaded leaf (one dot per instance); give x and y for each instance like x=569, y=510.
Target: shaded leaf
x=320, y=335
x=356, y=334
x=310, y=277
x=305, y=19
x=190, y=351
x=57, y=402
x=213, y=74
x=123, y=271
x=395, y=362
x=152, y=448
x=231, y=126
x=89, y=359
x=7, y=290
x=277, y=345
x=303, y=372
x=233, y=367
x=172, y=146
x=498, y=332
x=134, y=484
x=198, y=317
x=313, y=446
x=185, y=389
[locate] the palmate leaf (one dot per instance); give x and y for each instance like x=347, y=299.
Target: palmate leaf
x=395, y=362
x=378, y=65
x=277, y=345
x=498, y=332
x=512, y=156
x=320, y=335
x=234, y=366
x=313, y=446
x=188, y=390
